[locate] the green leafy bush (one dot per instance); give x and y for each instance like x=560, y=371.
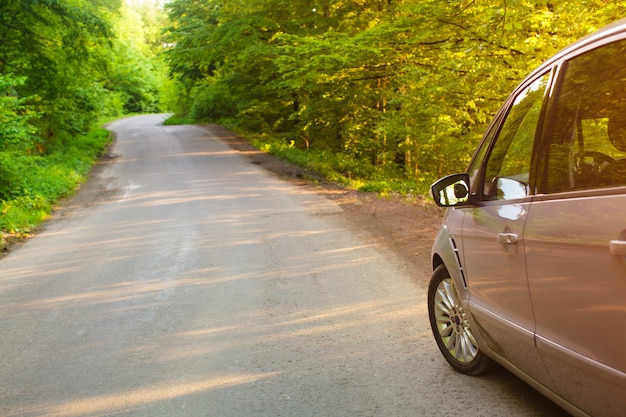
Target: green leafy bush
x=22, y=214
x=16, y=133
x=344, y=169
x=31, y=185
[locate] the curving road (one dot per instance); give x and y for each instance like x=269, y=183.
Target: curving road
x=198, y=285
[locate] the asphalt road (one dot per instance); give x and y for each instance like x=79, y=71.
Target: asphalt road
x=196, y=284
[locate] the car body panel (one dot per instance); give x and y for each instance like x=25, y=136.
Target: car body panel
x=578, y=288
x=499, y=295
x=448, y=241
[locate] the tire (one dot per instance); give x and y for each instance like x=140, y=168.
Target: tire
x=451, y=327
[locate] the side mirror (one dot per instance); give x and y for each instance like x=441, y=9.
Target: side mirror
x=452, y=190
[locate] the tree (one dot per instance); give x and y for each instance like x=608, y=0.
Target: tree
x=52, y=46
x=134, y=68
x=16, y=132
x=407, y=85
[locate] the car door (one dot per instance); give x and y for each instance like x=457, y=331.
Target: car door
x=493, y=234
x=575, y=235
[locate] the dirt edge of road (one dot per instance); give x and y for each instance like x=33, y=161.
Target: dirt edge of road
x=406, y=227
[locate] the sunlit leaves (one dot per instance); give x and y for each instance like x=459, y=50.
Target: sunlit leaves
x=15, y=131
x=410, y=83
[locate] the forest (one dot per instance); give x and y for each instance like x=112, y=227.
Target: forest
x=379, y=94
x=384, y=93
x=67, y=67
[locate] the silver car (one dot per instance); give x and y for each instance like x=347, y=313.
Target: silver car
x=530, y=261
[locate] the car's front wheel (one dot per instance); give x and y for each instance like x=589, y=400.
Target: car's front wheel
x=451, y=327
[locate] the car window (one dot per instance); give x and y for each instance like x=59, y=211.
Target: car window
x=508, y=167
x=587, y=145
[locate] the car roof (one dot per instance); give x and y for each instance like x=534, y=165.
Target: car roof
x=603, y=33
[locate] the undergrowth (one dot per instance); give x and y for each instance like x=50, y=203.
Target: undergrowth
x=338, y=167
x=344, y=169
x=32, y=184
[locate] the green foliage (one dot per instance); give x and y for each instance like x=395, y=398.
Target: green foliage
x=29, y=186
x=52, y=47
x=10, y=180
x=21, y=215
x=71, y=62
x=135, y=70
x=64, y=65
x=134, y=80
x=342, y=168
x=15, y=130
x=406, y=87
x=175, y=120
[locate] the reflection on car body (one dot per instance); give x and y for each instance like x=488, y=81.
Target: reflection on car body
x=529, y=266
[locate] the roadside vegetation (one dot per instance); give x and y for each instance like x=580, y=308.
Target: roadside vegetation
x=66, y=67
x=384, y=95
x=381, y=95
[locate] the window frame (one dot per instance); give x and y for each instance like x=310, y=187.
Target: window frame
x=559, y=68
x=493, y=134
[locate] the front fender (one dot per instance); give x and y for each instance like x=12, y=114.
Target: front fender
x=447, y=249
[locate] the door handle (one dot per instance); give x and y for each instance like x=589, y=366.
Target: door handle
x=617, y=247
x=508, y=238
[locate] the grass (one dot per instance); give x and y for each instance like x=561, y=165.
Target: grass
x=344, y=169
x=178, y=120
x=38, y=182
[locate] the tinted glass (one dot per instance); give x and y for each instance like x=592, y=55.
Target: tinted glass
x=478, y=159
x=508, y=168
x=588, y=142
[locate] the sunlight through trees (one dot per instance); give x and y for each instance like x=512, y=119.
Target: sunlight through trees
x=407, y=85
x=391, y=90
